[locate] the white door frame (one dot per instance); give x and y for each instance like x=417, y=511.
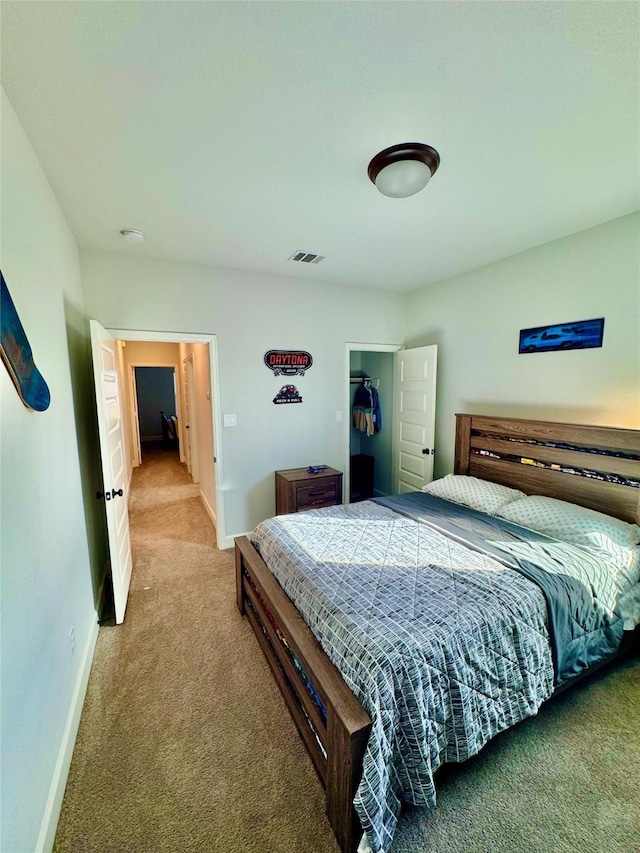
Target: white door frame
x=216, y=419
x=356, y=347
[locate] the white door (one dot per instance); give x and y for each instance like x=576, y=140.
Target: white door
x=135, y=420
x=190, y=424
x=114, y=475
x=414, y=418
x=187, y=425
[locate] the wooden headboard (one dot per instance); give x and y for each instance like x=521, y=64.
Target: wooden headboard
x=596, y=467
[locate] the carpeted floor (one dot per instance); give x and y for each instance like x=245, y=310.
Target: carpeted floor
x=186, y=745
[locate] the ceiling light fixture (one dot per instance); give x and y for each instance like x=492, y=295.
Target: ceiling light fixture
x=132, y=235
x=403, y=170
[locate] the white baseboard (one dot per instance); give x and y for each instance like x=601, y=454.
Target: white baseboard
x=61, y=772
x=208, y=508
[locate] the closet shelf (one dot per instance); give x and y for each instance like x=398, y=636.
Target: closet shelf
x=356, y=380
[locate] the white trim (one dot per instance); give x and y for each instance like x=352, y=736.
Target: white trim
x=208, y=508
x=216, y=409
x=229, y=541
x=346, y=432
x=51, y=815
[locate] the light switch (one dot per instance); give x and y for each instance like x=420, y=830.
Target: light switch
x=339, y=417
x=230, y=420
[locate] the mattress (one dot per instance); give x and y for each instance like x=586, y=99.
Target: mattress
x=444, y=645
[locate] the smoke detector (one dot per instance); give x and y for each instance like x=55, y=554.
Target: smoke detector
x=132, y=235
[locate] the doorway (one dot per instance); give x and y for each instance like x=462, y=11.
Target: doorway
x=155, y=407
x=370, y=438
x=368, y=469
x=398, y=457
x=114, y=353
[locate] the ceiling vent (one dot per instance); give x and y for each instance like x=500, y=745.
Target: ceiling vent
x=307, y=257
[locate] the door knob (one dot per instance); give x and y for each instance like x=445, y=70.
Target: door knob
x=116, y=494
x=99, y=495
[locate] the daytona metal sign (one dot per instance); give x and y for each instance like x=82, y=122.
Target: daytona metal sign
x=288, y=362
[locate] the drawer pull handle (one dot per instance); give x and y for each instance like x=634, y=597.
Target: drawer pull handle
x=316, y=494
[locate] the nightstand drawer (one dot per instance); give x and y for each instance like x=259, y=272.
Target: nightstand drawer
x=316, y=494
x=297, y=488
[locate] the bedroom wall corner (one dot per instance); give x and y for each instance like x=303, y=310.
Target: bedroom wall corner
x=475, y=319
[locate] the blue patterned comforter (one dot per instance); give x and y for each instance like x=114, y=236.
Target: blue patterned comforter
x=444, y=645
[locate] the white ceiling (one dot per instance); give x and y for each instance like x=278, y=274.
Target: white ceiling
x=234, y=133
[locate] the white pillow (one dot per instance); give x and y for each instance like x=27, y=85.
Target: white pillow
x=478, y=494
x=575, y=524
x=616, y=540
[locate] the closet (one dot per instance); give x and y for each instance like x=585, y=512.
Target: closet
x=370, y=470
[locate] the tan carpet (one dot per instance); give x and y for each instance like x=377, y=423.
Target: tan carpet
x=186, y=745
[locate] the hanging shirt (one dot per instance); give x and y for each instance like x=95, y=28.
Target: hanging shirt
x=367, y=417
x=377, y=414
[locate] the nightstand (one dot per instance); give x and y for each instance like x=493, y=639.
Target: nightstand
x=297, y=489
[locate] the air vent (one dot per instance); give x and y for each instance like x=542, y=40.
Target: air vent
x=307, y=257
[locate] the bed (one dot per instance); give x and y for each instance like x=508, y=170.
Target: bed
x=382, y=702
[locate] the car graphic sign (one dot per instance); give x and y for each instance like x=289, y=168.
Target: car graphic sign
x=582, y=334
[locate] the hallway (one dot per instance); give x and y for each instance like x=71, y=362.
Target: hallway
x=174, y=753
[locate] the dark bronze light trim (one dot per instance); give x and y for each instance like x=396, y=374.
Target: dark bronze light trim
x=405, y=151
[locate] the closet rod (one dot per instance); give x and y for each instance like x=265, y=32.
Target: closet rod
x=356, y=380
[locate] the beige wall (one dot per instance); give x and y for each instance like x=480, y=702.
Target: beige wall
x=475, y=319
x=51, y=545
x=203, y=414
x=251, y=313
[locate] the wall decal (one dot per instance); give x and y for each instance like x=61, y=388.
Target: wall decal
x=288, y=394
x=583, y=334
x=288, y=362
x=17, y=356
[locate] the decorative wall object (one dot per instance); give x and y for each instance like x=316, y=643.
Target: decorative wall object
x=288, y=362
x=288, y=394
x=583, y=334
x=18, y=358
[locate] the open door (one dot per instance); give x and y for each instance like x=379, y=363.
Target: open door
x=114, y=475
x=414, y=416
x=191, y=456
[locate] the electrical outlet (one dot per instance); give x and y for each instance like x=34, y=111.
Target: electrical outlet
x=72, y=640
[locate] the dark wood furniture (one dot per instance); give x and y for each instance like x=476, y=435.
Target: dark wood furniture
x=297, y=489
x=487, y=448
x=260, y=597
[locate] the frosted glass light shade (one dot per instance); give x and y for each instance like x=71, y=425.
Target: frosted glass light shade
x=403, y=178
x=403, y=170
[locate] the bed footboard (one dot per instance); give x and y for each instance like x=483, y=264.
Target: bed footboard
x=333, y=725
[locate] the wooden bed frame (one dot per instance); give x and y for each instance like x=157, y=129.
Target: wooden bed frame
x=503, y=450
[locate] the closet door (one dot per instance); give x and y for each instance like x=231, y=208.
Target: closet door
x=414, y=418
